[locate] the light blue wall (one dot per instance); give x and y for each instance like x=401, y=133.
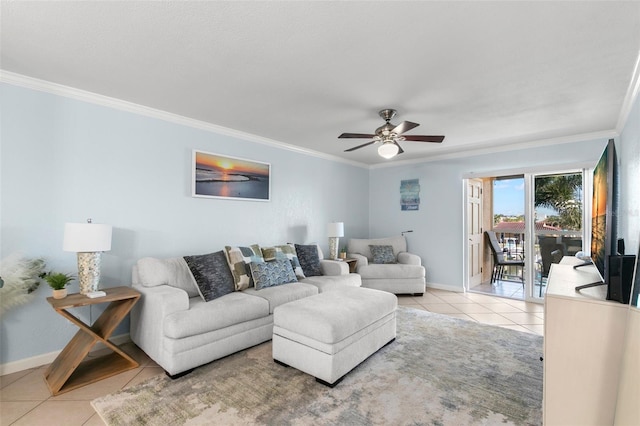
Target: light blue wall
x=437, y=226
x=628, y=150
x=64, y=160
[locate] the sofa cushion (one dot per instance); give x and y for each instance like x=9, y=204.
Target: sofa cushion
x=361, y=246
x=382, y=254
x=174, y=272
x=334, y=282
x=239, y=259
x=287, y=251
x=273, y=273
x=309, y=259
x=391, y=271
x=212, y=275
x=203, y=317
x=282, y=294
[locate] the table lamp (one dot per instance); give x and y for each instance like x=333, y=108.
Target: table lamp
x=88, y=240
x=335, y=230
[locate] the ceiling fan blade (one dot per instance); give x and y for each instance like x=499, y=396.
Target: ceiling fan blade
x=359, y=146
x=400, y=150
x=355, y=136
x=418, y=138
x=405, y=126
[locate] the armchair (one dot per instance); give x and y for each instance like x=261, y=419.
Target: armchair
x=405, y=276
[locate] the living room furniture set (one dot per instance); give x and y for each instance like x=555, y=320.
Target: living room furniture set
x=196, y=309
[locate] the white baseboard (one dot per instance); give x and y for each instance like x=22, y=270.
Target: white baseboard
x=446, y=287
x=44, y=359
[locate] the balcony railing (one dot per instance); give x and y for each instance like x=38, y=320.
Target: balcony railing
x=550, y=247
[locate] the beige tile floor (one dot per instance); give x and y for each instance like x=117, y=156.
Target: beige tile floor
x=25, y=398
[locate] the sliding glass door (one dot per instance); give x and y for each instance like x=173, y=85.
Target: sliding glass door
x=557, y=228
x=536, y=218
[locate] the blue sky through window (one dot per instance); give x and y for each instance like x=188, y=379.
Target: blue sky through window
x=508, y=198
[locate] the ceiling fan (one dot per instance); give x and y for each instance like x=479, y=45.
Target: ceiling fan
x=390, y=134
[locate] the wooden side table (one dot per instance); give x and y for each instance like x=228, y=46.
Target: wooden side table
x=68, y=372
x=353, y=263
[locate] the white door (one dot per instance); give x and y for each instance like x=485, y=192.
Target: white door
x=475, y=236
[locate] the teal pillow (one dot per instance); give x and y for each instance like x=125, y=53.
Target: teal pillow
x=271, y=274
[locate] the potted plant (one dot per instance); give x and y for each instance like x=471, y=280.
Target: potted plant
x=343, y=253
x=58, y=282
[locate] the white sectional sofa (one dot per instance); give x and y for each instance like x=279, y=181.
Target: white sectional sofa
x=404, y=274
x=180, y=331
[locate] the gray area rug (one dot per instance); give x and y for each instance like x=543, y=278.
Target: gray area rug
x=439, y=371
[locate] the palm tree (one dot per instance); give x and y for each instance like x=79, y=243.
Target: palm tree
x=561, y=193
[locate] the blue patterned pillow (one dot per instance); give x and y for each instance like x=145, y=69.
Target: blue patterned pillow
x=271, y=274
x=212, y=274
x=309, y=259
x=285, y=251
x=382, y=254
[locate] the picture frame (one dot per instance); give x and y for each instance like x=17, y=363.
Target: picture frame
x=230, y=178
x=410, y=195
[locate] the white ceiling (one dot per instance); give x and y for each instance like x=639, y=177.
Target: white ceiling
x=484, y=74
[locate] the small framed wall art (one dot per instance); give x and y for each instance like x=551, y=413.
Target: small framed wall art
x=221, y=176
x=410, y=194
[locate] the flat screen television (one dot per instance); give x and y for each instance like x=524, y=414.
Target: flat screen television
x=635, y=289
x=604, y=214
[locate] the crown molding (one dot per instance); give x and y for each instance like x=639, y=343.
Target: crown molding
x=630, y=97
x=488, y=147
x=492, y=148
x=119, y=104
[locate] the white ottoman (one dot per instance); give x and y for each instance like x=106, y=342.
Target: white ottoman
x=329, y=334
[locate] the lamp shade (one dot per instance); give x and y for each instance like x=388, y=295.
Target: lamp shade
x=86, y=237
x=388, y=150
x=335, y=229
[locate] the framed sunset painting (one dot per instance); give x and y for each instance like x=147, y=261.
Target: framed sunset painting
x=221, y=176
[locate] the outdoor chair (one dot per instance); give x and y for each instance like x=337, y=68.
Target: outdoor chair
x=550, y=252
x=500, y=261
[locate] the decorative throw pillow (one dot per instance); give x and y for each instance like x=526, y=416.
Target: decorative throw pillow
x=239, y=259
x=285, y=251
x=382, y=254
x=212, y=275
x=270, y=274
x=309, y=259
x=272, y=253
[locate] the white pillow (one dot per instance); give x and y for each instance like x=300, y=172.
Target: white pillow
x=174, y=272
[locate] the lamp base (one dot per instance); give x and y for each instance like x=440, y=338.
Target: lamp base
x=88, y=271
x=333, y=248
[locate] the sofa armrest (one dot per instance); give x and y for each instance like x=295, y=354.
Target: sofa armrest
x=362, y=260
x=409, y=258
x=147, y=316
x=334, y=267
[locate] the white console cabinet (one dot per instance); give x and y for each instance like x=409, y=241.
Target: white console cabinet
x=583, y=346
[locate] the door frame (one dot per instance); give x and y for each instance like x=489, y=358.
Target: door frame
x=529, y=176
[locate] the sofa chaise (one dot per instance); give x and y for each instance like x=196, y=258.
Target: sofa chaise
x=180, y=331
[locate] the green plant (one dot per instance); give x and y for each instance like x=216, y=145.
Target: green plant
x=58, y=280
x=343, y=249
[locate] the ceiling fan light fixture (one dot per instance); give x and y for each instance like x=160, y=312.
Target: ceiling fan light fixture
x=389, y=135
x=388, y=150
